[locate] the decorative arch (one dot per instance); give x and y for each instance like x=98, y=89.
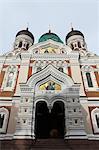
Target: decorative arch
x=57, y=99
x=95, y=119
x=89, y=77
x=50, y=121
x=10, y=78
x=47, y=74
x=41, y=100
x=4, y=115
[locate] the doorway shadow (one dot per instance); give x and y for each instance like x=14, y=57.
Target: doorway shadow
x=49, y=125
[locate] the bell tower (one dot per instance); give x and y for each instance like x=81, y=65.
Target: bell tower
x=24, y=39
x=75, y=40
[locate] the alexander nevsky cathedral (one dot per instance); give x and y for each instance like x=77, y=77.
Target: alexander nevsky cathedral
x=48, y=90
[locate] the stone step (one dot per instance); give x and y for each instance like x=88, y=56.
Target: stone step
x=50, y=143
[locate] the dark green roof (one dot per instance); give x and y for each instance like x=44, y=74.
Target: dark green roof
x=48, y=36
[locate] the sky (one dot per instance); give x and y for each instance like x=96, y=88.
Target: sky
x=37, y=15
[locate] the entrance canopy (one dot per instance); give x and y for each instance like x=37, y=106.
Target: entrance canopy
x=50, y=81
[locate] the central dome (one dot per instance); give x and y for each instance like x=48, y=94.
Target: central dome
x=51, y=36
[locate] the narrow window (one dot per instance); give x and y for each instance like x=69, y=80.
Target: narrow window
x=1, y=120
x=75, y=45
x=72, y=47
x=26, y=99
x=79, y=45
x=4, y=114
x=20, y=44
x=39, y=69
x=27, y=46
x=89, y=80
x=97, y=120
x=76, y=121
x=46, y=51
x=24, y=121
x=60, y=69
x=25, y=110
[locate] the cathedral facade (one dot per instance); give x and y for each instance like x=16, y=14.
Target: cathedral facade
x=49, y=89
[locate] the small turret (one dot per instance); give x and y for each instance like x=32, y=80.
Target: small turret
x=75, y=40
x=24, y=39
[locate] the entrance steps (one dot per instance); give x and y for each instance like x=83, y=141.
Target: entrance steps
x=61, y=144
x=50, y=144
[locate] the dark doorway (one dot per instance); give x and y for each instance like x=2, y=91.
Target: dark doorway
x=50, y=125
x=57, y=120
x=42, y=120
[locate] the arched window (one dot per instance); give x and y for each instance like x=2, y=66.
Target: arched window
x=79, y=45
x=27, y=46
x=60, y=69
x=72, y=47
x=39, y=69
x=20, y=44
x=10, y=78
x=95, y=119
x=1, y=120
x=46, y=51
x=89, y=80
x=4, y=114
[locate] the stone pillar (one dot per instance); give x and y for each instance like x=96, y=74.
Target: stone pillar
x=33, y=116
x=50, y=108
x=66, y=123
x=33, y=122
x=23, y=72
x=74, y=121
x=76, y=74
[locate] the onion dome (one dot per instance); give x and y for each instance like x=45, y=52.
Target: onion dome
x=73, y=32
x=26, y=32
x=51, y=36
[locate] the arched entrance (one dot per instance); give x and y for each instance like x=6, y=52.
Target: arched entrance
x=50, y=124
x=57, y=117
x=41, y=120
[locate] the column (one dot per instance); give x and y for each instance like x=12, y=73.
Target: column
x=76, y=74
x=33, y=122
x=23, y=72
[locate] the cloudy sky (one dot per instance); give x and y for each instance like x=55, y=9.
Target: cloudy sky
x=16, y=15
